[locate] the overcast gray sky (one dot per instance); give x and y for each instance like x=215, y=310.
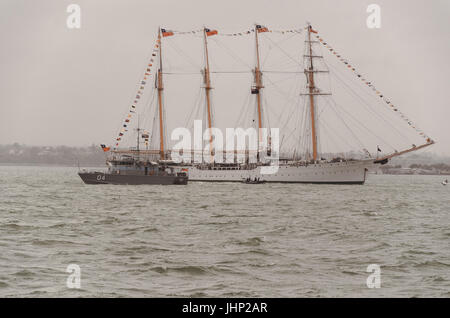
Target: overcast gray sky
x=72, y=87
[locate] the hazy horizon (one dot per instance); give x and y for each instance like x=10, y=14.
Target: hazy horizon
x=71, y=87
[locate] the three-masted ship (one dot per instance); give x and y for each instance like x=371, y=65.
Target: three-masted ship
x=313, y=166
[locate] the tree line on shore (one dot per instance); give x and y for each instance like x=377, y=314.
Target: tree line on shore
x=93, y=155
x=51, y=155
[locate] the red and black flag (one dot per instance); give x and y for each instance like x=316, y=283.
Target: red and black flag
x=210, y=32
x=105, y=149
x=166, y=32
x=261, y=28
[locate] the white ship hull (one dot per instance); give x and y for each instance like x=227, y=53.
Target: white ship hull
x=350, y=172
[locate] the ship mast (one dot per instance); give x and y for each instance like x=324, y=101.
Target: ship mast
x=312, y=88
x=207, y=82
x=137, y=141
x=160, y=87
x=257, y=89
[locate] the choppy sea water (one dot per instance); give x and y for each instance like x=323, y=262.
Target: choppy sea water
x=222, y=239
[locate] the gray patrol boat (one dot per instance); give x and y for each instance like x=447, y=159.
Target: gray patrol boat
x=128, y=169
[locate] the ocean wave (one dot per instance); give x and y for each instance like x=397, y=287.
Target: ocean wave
x=188, y=269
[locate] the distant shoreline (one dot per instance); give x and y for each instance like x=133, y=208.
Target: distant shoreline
x=413, y=174
x=35, y=164
x=94, y=157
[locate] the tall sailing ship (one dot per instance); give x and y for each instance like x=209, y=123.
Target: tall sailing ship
x=305, y=160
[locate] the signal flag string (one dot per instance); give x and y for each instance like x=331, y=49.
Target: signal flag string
x=372, y=86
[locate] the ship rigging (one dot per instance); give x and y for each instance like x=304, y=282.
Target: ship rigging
x=306, y=119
